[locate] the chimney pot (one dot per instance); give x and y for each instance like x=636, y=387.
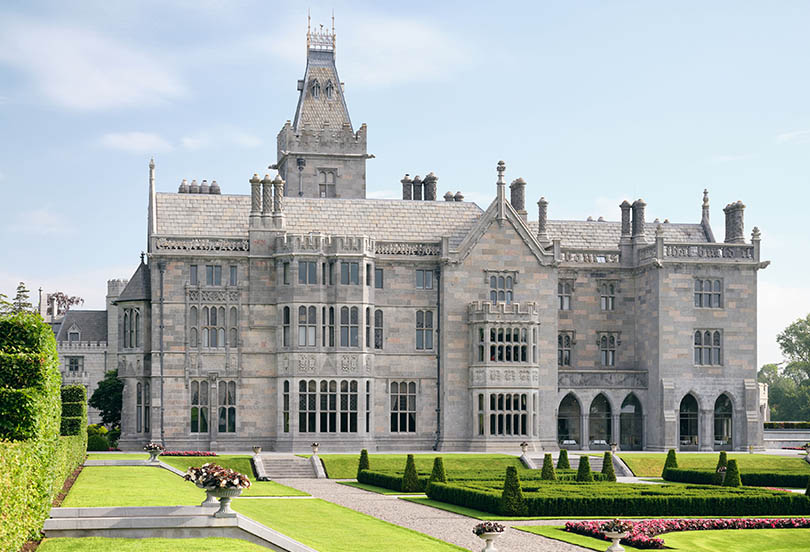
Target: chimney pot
x=448, y=196
x=407, y=187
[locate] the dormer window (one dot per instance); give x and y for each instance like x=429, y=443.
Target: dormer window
x=74, y=336
x=330, y=90
x=315, y=89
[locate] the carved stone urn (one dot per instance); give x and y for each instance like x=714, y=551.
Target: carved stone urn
x=257, y=450
x=489, y=538
x=615, y=537
x=153, y=456
x=224, y=495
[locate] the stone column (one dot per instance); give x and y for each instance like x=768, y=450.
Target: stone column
x=616, y=432
x=706, y=429
x=407, y=187
x=267, y=196
x=735, y=228
x=585, y=438
x=542, y=221
x=278, y=195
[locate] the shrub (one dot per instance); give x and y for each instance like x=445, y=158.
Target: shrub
x=584, y=470
x=73, y=410
x=512, y=501
x=807, y=491
x=548, y=468
x=114, y=434
x=364, y=463
x=562, y=461
x=719, y=470
x=97, y=429
x=749, y=479
x=787, y=425
x=20, y=370
x=410, y=480
x=74, y=394
x=732, y=475
x=98, y=442
x=438, y=473
x=671, y=462
x=72, y=425
x=391, y=481
x=607, y=467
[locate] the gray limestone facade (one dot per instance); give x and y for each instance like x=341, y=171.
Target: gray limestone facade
x=301, y=313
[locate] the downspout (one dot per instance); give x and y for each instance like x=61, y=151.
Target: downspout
x=162, y=269
x=438, y=274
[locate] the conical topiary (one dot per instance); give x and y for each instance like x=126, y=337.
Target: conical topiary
x=512, y=501
x=548, y=472
x=364, y=464
x=562, y=461
x=438, y=473
x=584, y=470
x=671, y=462
x=607, y=467
x=410, y=480
x=722, y=465
x=732, y=475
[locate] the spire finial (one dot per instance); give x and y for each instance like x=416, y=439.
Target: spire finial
x=334, y=46
x=501, y=171
x=142, y=256
x=309, y=21
x=705, y=197
x=152, y=163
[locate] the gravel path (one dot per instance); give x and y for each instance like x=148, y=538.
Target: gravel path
x=446, y=526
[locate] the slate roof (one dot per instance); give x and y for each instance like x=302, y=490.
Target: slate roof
x=92, y=325
x=138, y=288
x=580, y=234
x=321, y=110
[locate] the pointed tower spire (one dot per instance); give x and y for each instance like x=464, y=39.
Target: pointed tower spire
x=152, y=218
x=501, y=189
x=704, y=219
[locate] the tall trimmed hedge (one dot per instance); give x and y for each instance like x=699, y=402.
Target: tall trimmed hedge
x=74, y=410
x=410, y=479
x=732, y=475
x=722, y=464
x=670, y=462
x=512, y=501
x=438, y=473
x=363, y=464
x=34, y=459
x=584, y=469
x=607, y=467
x=562, y=461
x=548, y=472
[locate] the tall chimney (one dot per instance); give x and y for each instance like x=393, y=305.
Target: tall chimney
x=735, y=228
x=255, y=195
x=267, y=195
x=518, y=196
x=407, y=187
x=417, y=188
x=430, y=186
x=542, y=221
x=448, y=196
x=625, y=207
x=638, y=218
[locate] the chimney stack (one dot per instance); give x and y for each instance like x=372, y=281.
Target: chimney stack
x=458, y=197
x=735, y=228
x=417, y=188
x=430, y=186
x=255, y=195
x=542, y=221
x=448, y=196
x=626, y=229
x=267, y=195
x=194, y=188
x=407, y=187
x=518, y=197
x=204, y=189
x=638, y=218
x=183, y=188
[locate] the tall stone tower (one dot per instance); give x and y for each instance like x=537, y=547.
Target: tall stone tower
x=319, y=153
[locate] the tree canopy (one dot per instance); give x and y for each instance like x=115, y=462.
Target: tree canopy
x=789, y=386
x=108, y=397
x=20, y=303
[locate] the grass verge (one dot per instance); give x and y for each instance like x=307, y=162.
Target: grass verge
x=560, y=534
x=651, y=465
x=345, y=531
x=101, y=544
x=131, y=486
x=375, y=489
x=118, y=456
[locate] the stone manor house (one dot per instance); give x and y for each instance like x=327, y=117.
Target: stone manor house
x=302, y=311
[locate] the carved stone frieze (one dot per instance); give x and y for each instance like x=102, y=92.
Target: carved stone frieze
x=709, y=251
x=349, y=364
x=307, y=364
x=590, y=257
x=602, y=379
x=213, y=295
x=408, y=249
x=202, y=244
x=488, y=376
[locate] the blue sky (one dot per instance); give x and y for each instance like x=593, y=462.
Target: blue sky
x=590, y=102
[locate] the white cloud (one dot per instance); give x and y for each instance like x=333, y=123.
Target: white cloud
x=799, y=136
x=81, y=69
x=135, y=142
x=43, y=221
x=778, y=306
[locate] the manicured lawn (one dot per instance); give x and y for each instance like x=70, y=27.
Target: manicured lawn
x=375, y=489
x=241, y=464
x=651, y=465
x=328, y=527
x=118, y=456
x=731, y=540
x=100, y=544
x=344, y=466
x=131, y=486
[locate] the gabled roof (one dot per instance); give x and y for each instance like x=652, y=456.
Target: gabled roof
x=139, y=287
x=323, y=109
x=92, y=325
x=580, y=234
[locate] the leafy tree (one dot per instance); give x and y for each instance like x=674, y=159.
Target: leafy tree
x=732, y=475
x=548, y=468
x=20, y=303
x=513, y=503
x=671, y=461
x=410, y=479
x=584, y=469
x=562, y=461
x=363, y=464
x=63, y=302
x=607, y=467
x=438, y=473
x=807, y=492
x=107, y=398
x=5, y=306
x=789, y=387
x=722, y=465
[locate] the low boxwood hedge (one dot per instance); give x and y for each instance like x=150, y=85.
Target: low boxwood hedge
x=749, y=479
x=787, y=425
x=616, y=499
x=391, y=481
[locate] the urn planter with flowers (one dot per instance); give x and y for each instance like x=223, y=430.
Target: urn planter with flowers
x=218, y=483
x=616, y=530
x=154, y=450
x=488, y=531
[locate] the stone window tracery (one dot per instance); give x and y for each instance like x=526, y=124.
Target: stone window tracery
x=403, y=407
x=378, y=329
x=306, y=326
x=315, y=89
x=227, y=406
x=132, y=328
x=607, y=296
x=565, y=289
x=424, y=330
x=708, y=294
x=608, y=342
x=708, y=348
x=508, y=414
x=509, y=344
x=501, y=288
x=565, y=346
x=330, y=89
x=349, y=327
x=199, y=406
x=327, y=406
x=212, y=327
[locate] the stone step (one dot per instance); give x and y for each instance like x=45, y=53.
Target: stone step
x=276, y=467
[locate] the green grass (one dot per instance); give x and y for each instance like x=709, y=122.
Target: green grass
x=101, y=544
x=344, y=466
x=118, y=456
x=651, y=465
x=131, y=486
x=375, y=489
x=725, y=540
x=241, y=464
x=328, y=527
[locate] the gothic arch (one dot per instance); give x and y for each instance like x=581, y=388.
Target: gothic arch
x=600, y=421
x=723, y=422
x=631, y=423
x=689, y=422
x=569, y=421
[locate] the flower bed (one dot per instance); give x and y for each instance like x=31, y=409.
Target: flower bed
x=188, y=453
x=212, y=476
x=643, y=533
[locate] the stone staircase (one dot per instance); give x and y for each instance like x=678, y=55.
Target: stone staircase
x=596, y=463
x=286, y=467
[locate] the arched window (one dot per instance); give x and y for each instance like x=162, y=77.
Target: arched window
x=330, y=89
x=306, y=326
x=689, y=423
x=708, y=347
x=233, y=320
x=600, y=422
x=227, y=406
x=199, y=406
x=564, y=348
x=315, y=89
x=723, y=420
x=147, y=406
x=126, y=328
x=286, y=407
x=138, y=407
x=378, y=329
x=631, y=424
x=564, y=293
x=136, y=340
x=569, y=422
x=285, y=327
